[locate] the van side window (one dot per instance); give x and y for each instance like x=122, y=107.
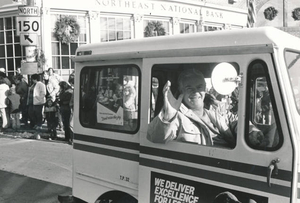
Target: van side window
x=292, y=60
x=109, y=97
x=195, y=112
x=261, y=115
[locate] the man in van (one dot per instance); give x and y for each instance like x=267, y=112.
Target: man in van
x=185, y=119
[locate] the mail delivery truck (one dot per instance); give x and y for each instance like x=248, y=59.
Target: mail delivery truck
x=252, y=78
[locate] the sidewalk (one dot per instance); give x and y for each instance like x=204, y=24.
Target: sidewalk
x=26, y=132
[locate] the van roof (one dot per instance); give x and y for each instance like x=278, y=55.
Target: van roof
x=205, y=43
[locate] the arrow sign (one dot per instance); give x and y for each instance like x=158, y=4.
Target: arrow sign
x=28, y=39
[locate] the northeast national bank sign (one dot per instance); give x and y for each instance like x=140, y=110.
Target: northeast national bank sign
x=154, y=7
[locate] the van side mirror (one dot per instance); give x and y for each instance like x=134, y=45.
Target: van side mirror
x=224, y=78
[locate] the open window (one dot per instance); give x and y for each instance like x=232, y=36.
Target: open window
x=226, y=106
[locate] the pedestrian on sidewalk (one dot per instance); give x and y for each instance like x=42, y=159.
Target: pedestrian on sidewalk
x=36, y=100
x=13, y=107
x=4, y=88
x=22, y=90
x=64, y=97
x=51, y=115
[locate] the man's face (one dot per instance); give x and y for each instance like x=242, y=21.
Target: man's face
x=193, y=90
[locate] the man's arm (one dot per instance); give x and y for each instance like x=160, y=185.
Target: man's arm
x=164, y=127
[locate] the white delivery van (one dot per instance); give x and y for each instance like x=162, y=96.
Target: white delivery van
x=253, y=74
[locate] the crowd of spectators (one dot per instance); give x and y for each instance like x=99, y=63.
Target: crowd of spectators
x=27, y=102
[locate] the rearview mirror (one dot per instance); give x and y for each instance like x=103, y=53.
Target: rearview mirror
x=224, y=78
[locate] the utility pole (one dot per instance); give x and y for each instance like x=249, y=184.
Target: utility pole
x=284, y=17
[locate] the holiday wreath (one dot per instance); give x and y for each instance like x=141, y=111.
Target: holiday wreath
x=67, y=29
x=296, y=14
x=270, y=13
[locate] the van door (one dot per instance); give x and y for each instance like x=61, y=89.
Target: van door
x=249, y=161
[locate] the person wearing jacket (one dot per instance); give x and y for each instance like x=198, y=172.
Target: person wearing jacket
x=4, y=89
x=36, y=100
x=22, y=90
x=185, y=119
x=64, y=98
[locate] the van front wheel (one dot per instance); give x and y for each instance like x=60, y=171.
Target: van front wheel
x=123, y=198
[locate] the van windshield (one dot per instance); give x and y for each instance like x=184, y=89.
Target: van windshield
x=293, y=65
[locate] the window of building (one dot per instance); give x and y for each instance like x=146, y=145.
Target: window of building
x=115, y=28
x=262, y=114
x=187, y=28
x=62, y=53
x=154, y=28
x=10, y=49
x=208, y=28
x=109, y=97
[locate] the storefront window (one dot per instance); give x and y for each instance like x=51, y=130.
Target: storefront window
x=187, y=28
x=10, y=49
x=62, y=53
x=115, y=28
x=153, y=28
x=208, y=28
x=109, y=97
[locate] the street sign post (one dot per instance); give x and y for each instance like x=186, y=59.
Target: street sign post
x=29, y=68
x=28, y=28
x=27, y=25
x=28, y=39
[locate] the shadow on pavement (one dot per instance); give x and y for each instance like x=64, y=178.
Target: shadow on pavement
x=16, y=188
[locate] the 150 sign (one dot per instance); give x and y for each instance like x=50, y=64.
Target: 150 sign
x=27, y=25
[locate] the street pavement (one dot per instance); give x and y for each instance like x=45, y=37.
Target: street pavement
x=34, y=170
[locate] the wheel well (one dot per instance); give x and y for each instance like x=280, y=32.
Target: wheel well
x=116, y=197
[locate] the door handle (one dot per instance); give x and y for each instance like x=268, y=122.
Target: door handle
x=272, y=169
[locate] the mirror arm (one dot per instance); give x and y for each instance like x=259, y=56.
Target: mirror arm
x=236, y=79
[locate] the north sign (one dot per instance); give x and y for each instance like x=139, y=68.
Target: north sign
x=29, y=11
x=27, y=25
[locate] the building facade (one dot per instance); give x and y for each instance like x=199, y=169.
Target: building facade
x=104, y=21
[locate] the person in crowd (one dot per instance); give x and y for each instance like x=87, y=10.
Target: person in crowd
x=53, y=89
x=13, y=106
x=5, y=78
x=185, y=119
x=71, y=81
x=64, y=98
x=52, y=86
x=72, y=78
x=4, y=88
x=36, y=100
x=53, y=77
x=22, y=90
x=51, y=115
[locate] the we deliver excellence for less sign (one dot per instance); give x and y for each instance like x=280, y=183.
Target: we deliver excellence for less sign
x=169, y=189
